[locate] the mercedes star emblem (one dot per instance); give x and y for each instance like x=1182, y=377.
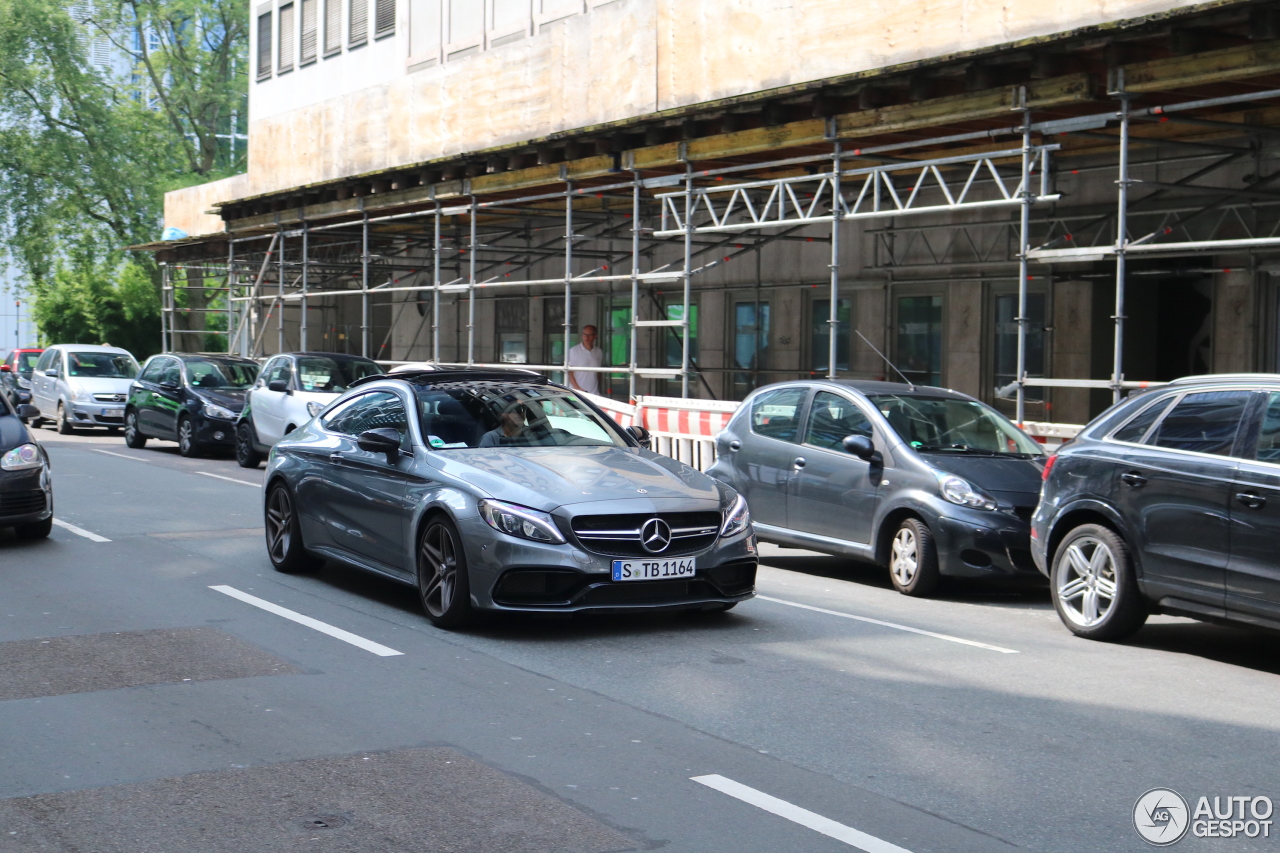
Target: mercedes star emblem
x=655, y=536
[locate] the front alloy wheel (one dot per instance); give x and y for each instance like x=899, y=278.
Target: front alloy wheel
x=64, y=425
x=1093, y=585
x=187, y=438
x=133, y=436
x=913, y=559
x=443, y=583
x=284, y=538
x=246, y=455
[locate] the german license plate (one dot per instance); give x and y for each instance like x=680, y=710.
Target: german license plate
x=652, y=570
x=113, y=413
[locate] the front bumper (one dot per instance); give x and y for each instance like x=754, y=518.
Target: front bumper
x=97, y=414
x=509, y=574
x=26, y=497
x=212, y=432
x=981, y=544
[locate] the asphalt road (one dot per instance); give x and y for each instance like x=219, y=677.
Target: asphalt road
x=149, y=702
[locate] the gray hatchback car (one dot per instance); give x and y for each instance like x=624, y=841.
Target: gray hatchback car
x=501, y=491
x=927, y=481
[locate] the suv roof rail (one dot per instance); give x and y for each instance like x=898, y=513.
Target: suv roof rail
x=1226, y=377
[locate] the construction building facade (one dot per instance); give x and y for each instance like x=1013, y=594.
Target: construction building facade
x=1036, y=204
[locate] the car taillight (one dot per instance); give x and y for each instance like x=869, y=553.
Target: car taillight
x=1048, y=466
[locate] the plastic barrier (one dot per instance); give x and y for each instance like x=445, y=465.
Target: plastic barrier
x=686, y=429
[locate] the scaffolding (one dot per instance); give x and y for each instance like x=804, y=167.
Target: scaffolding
x=637, y=228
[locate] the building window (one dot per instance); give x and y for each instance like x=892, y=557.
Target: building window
x=617, y=343
x=1005, y=360
x=384, y=18
x=264, y=46
x=332, y=26
x=284, y=62
x=359, y=26
x=307, y=51
x=511, y=324
x=821, y=338
x=673, y=337
x=919, y=340
x=750, y=345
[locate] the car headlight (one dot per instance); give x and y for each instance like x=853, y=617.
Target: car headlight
x=24, y=457
x=737, y=519
x=314, y=408
x=81, y=395
x=520, y=521
x=213, y=410
x=963, y=493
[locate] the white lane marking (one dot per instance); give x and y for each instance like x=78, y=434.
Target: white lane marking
x=121, y=455
x=231, y=479
x=795, y=814
x=322, y=627
x=895, y=625
x=80, y=531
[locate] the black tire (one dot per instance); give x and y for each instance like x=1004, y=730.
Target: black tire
x=133, y=436
x=913, y=559
x=64, y=425
x=1092, y=565
x=246, y=455
x=285, y=547
x=187, y=444
x=36, y=530
x=443, y=583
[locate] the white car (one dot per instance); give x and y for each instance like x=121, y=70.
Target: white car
x=291, y=389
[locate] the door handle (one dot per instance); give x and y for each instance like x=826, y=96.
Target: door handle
x=799, y=463
x=335, y=458
x=735, y=445
x=1252, y=500
x=1134, y=479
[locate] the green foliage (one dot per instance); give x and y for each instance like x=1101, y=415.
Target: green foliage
x=86, y=153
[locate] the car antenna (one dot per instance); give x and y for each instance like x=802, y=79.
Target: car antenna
x=886, y=359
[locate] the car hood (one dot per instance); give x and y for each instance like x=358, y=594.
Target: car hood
x=233, y=400
x=548, y=477
x=12, y=433
x=100, y=385
x=1014, y=480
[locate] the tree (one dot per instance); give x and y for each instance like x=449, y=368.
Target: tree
x=87, y=150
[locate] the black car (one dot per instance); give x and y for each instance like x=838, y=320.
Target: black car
x=191, y=398
x=1167, y=503
x=26, y=489
x=15, y=374
x=926, y=481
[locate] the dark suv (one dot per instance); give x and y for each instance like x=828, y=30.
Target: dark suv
x=1168, y=502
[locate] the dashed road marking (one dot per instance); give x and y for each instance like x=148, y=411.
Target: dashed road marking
x=315, y=624
x=121, y=455
x=230, y=479
x=79, y=531
x=894, y=625
x=811, y=820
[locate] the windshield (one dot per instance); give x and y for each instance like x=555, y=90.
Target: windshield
x=332, y=375
x=945, y=424
x=27, y=361
x=224, y=375
x=467, y=415
x=101, y=365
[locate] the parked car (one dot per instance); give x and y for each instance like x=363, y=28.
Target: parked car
x=26, y=488
x=290, y=390
x=79, y=385
x=191, y=398
x=15, y=375
x=1167, y=503
x=925, y=481
x=502, y=491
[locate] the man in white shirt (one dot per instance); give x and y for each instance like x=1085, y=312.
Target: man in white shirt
x=586, y=354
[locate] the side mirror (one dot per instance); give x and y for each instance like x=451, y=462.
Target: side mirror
x=4, y=368
x=383, y=440
x=640, y=434
x=168, y=385
x=860, y=446
x=26, y=412
x=52, y=372
x=280, y=385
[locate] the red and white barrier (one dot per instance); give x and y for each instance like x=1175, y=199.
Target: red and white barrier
x=686, y=429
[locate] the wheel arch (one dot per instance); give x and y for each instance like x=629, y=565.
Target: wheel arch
x=1088, y=513
x=889, y=526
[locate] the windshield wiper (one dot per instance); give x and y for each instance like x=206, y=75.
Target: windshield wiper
x=959, y=448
